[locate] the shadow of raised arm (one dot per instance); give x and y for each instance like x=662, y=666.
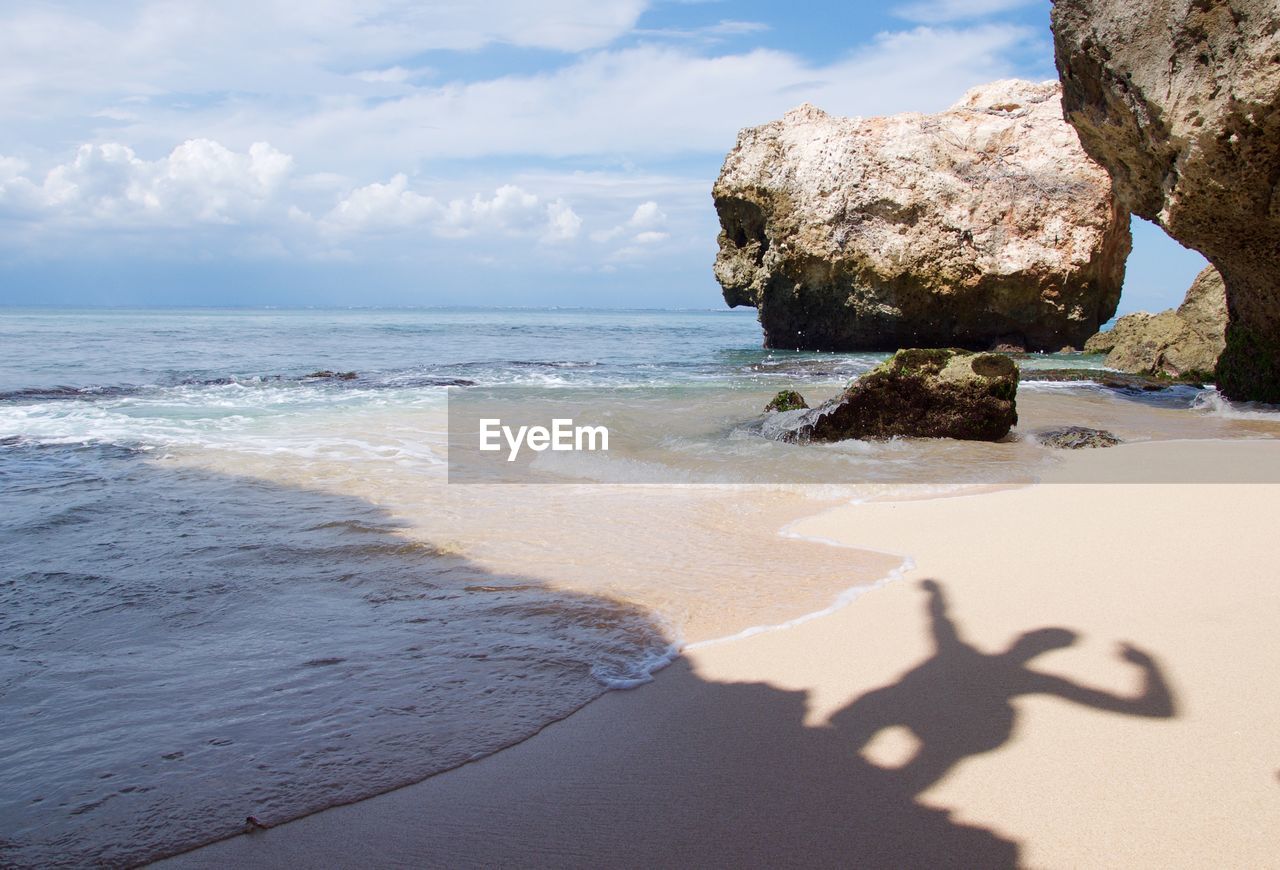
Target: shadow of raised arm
x=1155, y=700
x=943, y=629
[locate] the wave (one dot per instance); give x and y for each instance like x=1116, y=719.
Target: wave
x=1214, y=404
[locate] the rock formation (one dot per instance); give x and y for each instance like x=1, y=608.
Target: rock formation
x=1180, y=100
x=981, y=226
x=925, y=393
x=1183, y=342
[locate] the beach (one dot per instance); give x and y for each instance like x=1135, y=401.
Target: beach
x=246, y=588
x=1134, y=726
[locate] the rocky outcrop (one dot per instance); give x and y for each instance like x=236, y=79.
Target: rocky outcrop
x=1180, y=100
x=984, y=225
x=923, y=393
x=1183, y=342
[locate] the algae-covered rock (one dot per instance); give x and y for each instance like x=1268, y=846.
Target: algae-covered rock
x=924, y=393
x=1076, y=438
x=787, y=400
x=985, y=226
x=1185, y=342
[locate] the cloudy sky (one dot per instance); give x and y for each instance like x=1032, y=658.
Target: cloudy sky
x=497, y=152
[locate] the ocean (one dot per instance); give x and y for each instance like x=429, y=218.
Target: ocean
x=230, y=587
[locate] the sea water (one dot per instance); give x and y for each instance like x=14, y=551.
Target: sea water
x=230, y=588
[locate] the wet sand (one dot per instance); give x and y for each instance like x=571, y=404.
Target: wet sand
x=1072, y=674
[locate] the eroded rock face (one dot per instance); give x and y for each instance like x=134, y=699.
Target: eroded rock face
x=1180, y=100
x=1183, y=342
x=923, y=393
x=981, y=226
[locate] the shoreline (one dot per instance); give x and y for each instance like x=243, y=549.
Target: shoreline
x=745, y=745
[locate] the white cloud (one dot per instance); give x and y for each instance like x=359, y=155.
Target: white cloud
x=563, y=222
x=652, y=100
x=74, y=59
x=344, y=93
x=384, y=206
x=11, y=168
x=939, y=11
x=710, y=33
x=391, y=75
x=510, y=211
x=642, y=227
x=200, y=181
x=647, y=214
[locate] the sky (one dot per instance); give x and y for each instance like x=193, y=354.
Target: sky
x=470, y=152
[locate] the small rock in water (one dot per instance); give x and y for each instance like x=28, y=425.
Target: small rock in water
x=1112, y=380
x=916, y=393
x=787, y=400
x=1076, y=437
x=341, y=376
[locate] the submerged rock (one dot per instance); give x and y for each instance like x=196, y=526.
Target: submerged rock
x=1111, y=380
x=341, y=376
x=1183, y=342
x=983, y=226
x=924, y=393
x=787, y=400
x=1180, y=101
x=1076, y=438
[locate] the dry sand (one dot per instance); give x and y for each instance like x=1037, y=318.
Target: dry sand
x=894, y=732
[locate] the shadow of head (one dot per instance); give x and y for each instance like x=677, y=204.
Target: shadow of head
x=1030, y=644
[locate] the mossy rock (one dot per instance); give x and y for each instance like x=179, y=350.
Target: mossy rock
x=787, y=400
x=923, y=393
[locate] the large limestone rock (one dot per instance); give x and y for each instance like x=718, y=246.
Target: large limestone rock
x=981, y=226
x=1180, y=100
x=923, y=393
x=1183, y=342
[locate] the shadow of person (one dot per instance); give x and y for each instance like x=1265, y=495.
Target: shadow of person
x=694, y=772
x=958, y=702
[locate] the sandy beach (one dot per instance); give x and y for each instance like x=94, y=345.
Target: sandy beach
x=1070, y=675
